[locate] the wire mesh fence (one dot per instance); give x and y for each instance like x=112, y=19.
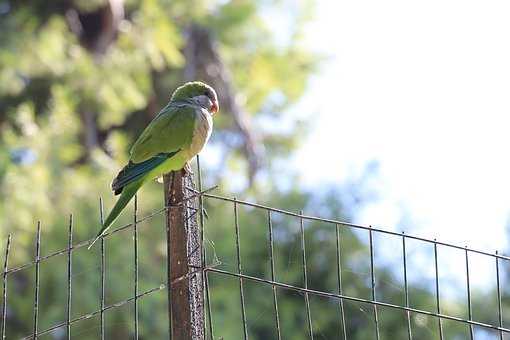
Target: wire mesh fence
x=328, y=300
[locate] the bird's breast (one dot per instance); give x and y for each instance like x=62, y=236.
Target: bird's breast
x=201, y=133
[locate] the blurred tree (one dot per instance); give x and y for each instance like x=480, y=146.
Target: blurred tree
x=79, y=79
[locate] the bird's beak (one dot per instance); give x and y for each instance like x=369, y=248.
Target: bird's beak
x=214, y=107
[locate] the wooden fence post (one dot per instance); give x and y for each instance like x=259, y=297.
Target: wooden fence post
x=184, y=278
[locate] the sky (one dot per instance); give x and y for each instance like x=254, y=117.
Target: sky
x=423, y=89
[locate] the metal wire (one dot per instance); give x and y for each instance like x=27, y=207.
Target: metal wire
x=4, y=286
x=406, y=288
x=95, y=313
x=85, y=243
x=135, y=250
x=339, y=280
x=500, y=311
x=273, y=276
x=208, y=297
x=168, y=255
x=468, y=288
x=205, y=278
x=305, y=278
x=276, y=286
x=284, y=212
x=353, y=225
x=239, y=271
x=355, y=299
x=68, y=251
x=37, y=265
x=439, y=320
x=103, y=272
x=372, y=276
x=69, y=275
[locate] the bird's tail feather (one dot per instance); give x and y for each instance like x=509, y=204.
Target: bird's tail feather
x=127, y=194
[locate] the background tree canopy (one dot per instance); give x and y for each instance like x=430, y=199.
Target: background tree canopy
x=80, y=79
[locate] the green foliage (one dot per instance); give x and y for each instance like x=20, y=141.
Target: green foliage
x=77, y=110
x=69, y=112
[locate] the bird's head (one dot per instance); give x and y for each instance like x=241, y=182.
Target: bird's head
x=200, y=93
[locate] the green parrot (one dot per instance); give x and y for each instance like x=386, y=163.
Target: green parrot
x=176, y=135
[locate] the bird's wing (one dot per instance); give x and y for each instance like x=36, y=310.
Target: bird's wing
x=170, y=132
x=134, y=171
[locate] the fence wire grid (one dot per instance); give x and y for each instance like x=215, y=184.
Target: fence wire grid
x=213, y=270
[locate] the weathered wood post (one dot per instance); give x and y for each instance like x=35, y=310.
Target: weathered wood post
x=184, y=278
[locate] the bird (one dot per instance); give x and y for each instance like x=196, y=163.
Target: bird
x=175, y=135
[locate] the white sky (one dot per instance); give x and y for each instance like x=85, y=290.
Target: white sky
x=424, y=88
